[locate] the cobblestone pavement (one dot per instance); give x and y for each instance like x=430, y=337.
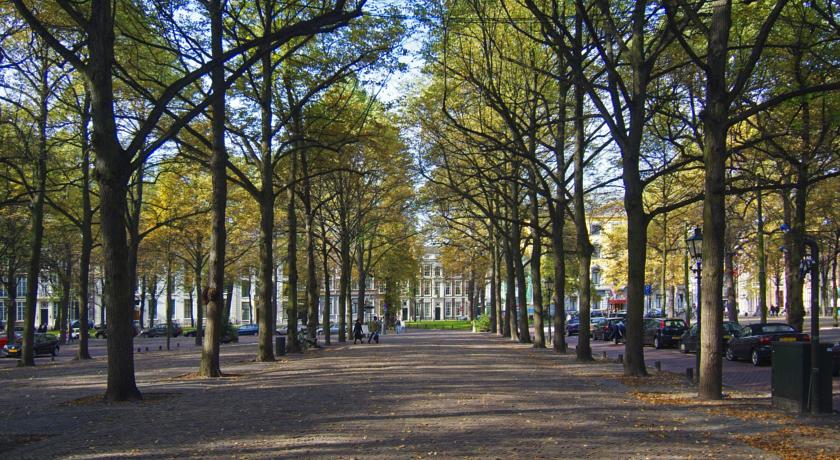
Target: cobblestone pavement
x=432, y=393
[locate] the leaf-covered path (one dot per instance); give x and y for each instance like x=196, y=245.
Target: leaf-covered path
x=444, y=394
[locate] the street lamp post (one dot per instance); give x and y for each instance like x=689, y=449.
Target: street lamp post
x=809, y=264
x=694, y=243
x=549, y=284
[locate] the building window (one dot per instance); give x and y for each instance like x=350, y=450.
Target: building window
x=596, y=251
x=427, y=288
x=448, y=308
x=368, y=283
x=596, y=276
x=246, y=288
x=438, y=289
x=19, y=316
x=595, y=229
x=187, y=309
x=448, y=288
x=427, y=271
x=2, y=310
x=21, y=287
x=246, y=311
x=457, y=288
x=3, y=288
x=438, y=272
x=54, y=310
x=381, y=287
x=428, y=307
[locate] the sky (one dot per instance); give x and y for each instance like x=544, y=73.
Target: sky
x=400, y=84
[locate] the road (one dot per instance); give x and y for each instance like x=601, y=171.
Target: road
x=98, y=348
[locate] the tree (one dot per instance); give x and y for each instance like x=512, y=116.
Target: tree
x=95, y=58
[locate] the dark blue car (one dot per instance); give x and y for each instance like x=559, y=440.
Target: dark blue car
x=573, y=326
x=249, y=329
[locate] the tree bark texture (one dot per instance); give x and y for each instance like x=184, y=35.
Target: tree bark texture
x=715, y=122
x=213, y=295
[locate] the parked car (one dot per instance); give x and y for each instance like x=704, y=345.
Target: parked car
x=607, y=329
x=76, y=324
x=573, y=326
x=249, y=329
x=4, y=339
x=663, y=332
x=655, y=314
x=595, y=327
x=160, y=330
x=690, y=339
x=44, y=345
x=754, y=341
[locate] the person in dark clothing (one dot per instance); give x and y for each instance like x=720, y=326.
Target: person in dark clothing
x=357, y=332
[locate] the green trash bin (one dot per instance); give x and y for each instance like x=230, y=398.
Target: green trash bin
x=791, y=377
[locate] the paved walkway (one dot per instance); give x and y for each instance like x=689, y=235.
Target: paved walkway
x=431, y=393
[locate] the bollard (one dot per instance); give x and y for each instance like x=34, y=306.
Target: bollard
x=658, y=366
x=178, y=345
x=689, y=374
x=147, y=349
x=604, y=355
x=620, y=358
x=138, y=349
x=160, y=347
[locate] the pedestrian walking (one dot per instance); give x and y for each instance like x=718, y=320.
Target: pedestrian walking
x=397, y=326
x=357, y=332
x=374, y=330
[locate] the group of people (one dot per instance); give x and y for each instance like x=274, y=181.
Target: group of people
x=373, y=331
x=375, y=326
x=774, y=310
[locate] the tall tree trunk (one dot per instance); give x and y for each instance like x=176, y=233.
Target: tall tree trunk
x=265, y=281
x=493, y=275
x=266, y=316
x=311, y=272
x=346, y=265
x=87, y=233
x=292, y=308
x=524, y=334
x=169, y=290
x=663, y=281
x=510, y=292
x=325, y=259
x=65, y=295
x=558, y=224
x=228, y=296
x=37, y=205
x=142, y=302
x=729, y=283
x=212, y=296
x=715, y=124
x=360, y=309
x=153, y=300
x=134, y=226
x=199, y=305
x=536, y=266
x=500, y=316
x=584, y=246
x=762, y=259
x=11, y=292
